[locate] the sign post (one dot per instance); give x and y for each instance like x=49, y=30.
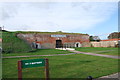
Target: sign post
x=33, y=63
x=19, y=70
x=47, y=69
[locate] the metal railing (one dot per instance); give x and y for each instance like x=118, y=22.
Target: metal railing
x=65, y=46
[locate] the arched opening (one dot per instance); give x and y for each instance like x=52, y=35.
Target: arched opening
x=36, y=45
x=77, y=44
x=58, y=43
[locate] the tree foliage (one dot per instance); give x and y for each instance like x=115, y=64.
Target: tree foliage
x=94, y=38
x=114, y=35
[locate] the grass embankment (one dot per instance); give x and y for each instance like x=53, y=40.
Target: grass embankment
x=59, y=32
x=0, y=38
x=40, y=52
x=100, y=50
x=67, y=66
x=12, y=44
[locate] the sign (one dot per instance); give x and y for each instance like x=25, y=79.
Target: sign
x=33, y=63
x=58, y=35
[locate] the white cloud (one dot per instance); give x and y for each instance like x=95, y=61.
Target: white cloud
x=55, y=16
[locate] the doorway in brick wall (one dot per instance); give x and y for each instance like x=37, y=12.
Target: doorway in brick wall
x=58, y=43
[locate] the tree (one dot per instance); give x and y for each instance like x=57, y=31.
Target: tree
x=114, y=35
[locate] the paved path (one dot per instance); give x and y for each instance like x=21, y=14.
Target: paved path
x=109, y=56
x=104, y=51
x=37, y=55
x=74, y=52
x=115, y=76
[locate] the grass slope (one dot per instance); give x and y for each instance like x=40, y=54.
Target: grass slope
x=100, y=50
x=12, y=44
x=26, y=32
x=67, y=66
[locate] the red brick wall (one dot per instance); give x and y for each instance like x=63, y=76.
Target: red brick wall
x=45, y=39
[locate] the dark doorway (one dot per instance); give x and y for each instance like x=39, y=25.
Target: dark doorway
x=77, y=45
x=58, y=43
x=36, y=46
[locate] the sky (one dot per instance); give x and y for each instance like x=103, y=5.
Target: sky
x=94, y=18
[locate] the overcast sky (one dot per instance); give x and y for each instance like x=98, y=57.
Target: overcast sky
x=93, y=18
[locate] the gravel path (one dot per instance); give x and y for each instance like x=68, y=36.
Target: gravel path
x=108, y=56
x=74, y=52
x=115, y=76
x=37, y=55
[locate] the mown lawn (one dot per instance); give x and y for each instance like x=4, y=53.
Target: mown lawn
x=39, y=52
x=67, y=66
x=100, y=50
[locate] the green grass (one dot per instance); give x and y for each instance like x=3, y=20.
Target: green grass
x=0, y=37
x=40, y=52
x=12, y=44
x=24, y=32
x=107, y=51
x=67, y=66
x=99, y=50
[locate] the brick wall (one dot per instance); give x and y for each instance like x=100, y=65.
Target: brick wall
x=46, y=41
x=104, y=44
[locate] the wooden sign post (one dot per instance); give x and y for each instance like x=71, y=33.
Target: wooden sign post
x=19, y=70
x=46, y=69
x=33, y=63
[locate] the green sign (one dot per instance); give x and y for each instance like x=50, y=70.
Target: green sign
x=33, y=63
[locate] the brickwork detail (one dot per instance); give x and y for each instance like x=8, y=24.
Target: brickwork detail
x=46, y=41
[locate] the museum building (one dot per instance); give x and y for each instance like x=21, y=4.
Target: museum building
x=42, y=40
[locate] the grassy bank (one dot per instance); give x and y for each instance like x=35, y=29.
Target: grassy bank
x=12, y=44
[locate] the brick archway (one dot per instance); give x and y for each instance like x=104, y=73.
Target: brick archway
x=77, y=44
